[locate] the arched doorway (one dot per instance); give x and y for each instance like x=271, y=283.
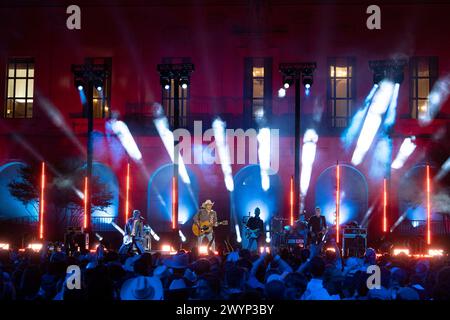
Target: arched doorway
x=249, y=194
x=354, y=194
x=159, y=200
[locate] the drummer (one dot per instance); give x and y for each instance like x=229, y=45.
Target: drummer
x=301, y=227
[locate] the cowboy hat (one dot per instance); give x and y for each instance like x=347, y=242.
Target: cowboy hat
x=178, y=261
x=207, y=202
x=142, y=288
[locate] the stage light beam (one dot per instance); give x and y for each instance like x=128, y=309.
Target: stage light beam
x=436, y=99
x=122, y=132
x=308, y=156
x=162, y=126
x=377, y=109
x=263, y=138
x=357, y=121
x=406, y=149
x=219, y=128
x=238, y=234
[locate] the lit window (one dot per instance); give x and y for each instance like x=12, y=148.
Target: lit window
x=101, y=99
x=168, y=95
x=257, y=88
x=19, y=89
x=341, y=91
x=423, y=74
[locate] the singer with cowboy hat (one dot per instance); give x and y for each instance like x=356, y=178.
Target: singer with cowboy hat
x=206, y=214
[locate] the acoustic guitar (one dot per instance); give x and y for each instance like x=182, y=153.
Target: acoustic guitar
x=205, y=227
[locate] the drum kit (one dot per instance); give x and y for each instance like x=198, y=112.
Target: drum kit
x=287, y=236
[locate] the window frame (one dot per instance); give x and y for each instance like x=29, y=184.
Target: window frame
x=249, y=99
x=16, y=61
x=105, y=95
x=433, y=74
x=350, y=94
x=184, y=96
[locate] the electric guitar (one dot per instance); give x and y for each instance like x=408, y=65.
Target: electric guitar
x=127, y=239
x=318, y=236
x=252, y=234
x=205, y=227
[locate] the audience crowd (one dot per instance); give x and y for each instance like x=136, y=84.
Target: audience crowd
x=240, y=275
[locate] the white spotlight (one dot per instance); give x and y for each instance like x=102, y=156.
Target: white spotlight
x=126, y=139
x=282, y=92
x=264, y=156
x=438, y=95
x=406, y=149
x=308, y=155
x=392, y=110
x=154, y=234
x=378, y=107
x=444, y=170
x=224, y=154
x=162, y=126
x=238, y=233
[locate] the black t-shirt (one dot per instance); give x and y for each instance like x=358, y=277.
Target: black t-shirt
x=255, y=223
x=317, y=223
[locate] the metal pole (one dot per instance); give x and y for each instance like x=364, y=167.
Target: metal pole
x=297, y=196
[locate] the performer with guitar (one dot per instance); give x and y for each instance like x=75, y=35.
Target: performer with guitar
x=204, y=222
x=134, y=234
x=317, y=226
x=254, y=230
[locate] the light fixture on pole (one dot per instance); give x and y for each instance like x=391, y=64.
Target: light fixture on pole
x=297, y=73
x=88, y=76
x=177, y=74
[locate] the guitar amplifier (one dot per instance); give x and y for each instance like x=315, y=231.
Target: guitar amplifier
x=354, y=241
x=352, y=233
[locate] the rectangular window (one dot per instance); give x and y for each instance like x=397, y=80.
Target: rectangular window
x=101, y=99
x=168, y=102
x=423, y=73
x=341, y=91
x=168, y=95
x=257, y=88
x=19, y=88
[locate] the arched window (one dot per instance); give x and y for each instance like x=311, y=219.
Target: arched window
x=101, y=219
x=159, y=205
x=354, y=194
x=11, y=208
x=248, y=194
